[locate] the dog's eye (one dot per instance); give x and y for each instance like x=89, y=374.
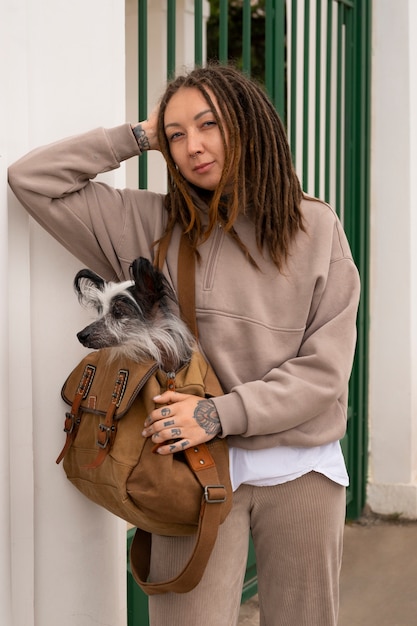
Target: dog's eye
x=120, y=309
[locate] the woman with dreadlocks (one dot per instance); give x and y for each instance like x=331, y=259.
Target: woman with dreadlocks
x=276, y=301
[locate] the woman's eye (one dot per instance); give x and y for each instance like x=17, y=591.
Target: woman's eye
x=175, y=136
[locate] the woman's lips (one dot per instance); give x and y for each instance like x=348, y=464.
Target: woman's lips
x=203, y=167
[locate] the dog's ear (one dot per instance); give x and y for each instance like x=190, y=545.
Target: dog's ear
x=87, y=285
x=151, y=286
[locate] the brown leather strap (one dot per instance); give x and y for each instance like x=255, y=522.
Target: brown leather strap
x=186, y=284
x=72, y=418
x=186, y=277
x=107, y=430
x=162, y=250
x=214, y=494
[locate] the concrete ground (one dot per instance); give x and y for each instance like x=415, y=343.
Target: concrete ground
x=378, y=584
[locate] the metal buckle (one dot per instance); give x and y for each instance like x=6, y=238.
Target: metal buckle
x=74, y=422
x=107, y=430
x=207, y=494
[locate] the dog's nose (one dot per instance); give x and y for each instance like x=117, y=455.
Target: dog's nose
x=83, y=336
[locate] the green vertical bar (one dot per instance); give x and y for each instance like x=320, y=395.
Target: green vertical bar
x=198, y=32
x=306, y=88
x=362, y=52
x=327, y=140
x=246, y=36
x=339, y=121
x=171, y=43
x=143, y=83
x=349, y=216
x=317, y=145
x=279, y=69
x=223, y=31
x=357, y=229
x=293, y=79
x=269, y=48
x=350, y=95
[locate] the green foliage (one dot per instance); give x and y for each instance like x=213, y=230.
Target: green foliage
x=235, y=28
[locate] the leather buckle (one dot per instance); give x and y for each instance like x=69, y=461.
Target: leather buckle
x=217, y=500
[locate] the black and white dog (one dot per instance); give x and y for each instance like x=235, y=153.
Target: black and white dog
x=135, y=318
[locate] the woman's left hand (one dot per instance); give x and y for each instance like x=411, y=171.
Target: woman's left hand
x=183, y=421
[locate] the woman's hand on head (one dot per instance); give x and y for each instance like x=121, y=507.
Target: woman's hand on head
x=146, y=132
x=181, y=422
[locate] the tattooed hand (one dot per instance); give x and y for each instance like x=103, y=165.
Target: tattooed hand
x=205, y=414
x=146, y=132
x=182, y=422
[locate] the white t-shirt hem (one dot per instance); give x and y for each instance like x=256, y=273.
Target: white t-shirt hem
x=276, y=466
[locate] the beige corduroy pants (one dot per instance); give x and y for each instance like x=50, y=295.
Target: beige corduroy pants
x=297, y=530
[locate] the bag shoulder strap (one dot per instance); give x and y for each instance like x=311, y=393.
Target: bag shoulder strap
x=198, y=458
x=214, y=495
x=186, y=277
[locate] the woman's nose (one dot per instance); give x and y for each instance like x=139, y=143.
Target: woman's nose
x=194, y=146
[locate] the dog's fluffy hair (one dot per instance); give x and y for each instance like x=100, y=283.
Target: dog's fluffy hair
x=135, y=318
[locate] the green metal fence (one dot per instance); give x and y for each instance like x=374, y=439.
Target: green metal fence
x=314, y=59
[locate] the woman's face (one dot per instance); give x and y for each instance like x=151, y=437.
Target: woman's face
x=194, y=138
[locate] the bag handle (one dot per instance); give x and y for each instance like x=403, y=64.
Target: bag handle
x=199, y=459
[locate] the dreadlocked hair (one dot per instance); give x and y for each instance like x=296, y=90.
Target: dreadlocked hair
x=257, y=161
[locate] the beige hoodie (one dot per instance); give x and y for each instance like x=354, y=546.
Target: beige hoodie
x=282, y=344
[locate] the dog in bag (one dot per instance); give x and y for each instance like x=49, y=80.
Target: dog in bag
x=141, y=349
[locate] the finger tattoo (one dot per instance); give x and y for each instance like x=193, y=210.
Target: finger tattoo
x=176, y=432
x=165, y=412
x=184, y=444
x=206, y=416
x=168, y=423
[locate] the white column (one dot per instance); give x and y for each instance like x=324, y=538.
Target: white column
x=5, y=522
x=393, y=344
x=65, y=74
x=18, y=416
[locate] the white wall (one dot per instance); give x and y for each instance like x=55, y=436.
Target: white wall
x=63, y=559
x=393, y=343
x=5, y=521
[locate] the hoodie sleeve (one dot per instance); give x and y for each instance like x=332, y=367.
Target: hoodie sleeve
x=303, y=402
x=55, y=185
